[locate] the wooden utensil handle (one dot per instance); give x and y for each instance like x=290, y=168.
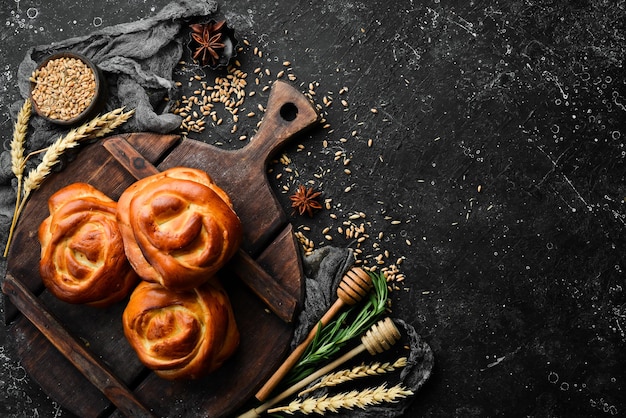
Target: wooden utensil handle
x=129, y=158
x=295, y=355
x=256, y=412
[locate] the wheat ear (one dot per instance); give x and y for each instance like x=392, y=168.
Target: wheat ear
x=97, y=127
x=19, y=139
x=349, y=400
x=364, y=370
x=18, y=160
x=108, y=122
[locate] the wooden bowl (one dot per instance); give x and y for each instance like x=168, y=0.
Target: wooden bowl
x=85, y=103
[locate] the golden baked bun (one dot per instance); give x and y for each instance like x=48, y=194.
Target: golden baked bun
x=181, y=334
x=179, y=227
x=82, y=252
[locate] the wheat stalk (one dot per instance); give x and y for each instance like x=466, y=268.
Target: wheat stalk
x=364, y=370
x=349, y=400
x=18, y=160
x=95, y=128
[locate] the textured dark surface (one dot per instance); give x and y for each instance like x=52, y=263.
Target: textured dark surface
x=498, y=145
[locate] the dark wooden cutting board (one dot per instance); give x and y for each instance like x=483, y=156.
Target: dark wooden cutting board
x=79, y=354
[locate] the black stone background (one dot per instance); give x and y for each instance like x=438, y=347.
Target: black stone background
x=498, y=144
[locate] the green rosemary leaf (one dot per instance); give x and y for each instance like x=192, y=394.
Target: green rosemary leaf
x=350, y=324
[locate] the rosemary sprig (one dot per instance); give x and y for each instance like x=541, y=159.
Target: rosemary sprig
x=336, y=334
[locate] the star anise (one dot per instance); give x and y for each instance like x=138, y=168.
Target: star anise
x=304, y=200
x=209, y=39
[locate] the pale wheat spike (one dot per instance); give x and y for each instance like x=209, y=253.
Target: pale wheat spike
x=100, y=125
x=112, y=121
x=349, y=400
x=50, y=158
x=18, y=159
x=342, y=376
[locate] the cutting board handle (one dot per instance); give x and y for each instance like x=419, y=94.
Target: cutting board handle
x=288, y=112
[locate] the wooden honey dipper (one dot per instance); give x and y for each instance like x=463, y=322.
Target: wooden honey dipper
x=380, y=337
x=355, y=284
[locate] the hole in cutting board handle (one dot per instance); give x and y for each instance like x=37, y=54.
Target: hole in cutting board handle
x=289, y=111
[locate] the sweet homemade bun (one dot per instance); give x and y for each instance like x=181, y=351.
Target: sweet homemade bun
x=82, y=252
x=179, y=227
x=181, y=334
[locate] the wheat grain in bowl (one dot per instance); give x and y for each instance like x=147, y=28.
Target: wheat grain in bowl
x=65, y=88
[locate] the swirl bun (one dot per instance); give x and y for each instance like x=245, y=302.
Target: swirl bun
x=181, y=335
x=82, y=252
x=179, y=227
